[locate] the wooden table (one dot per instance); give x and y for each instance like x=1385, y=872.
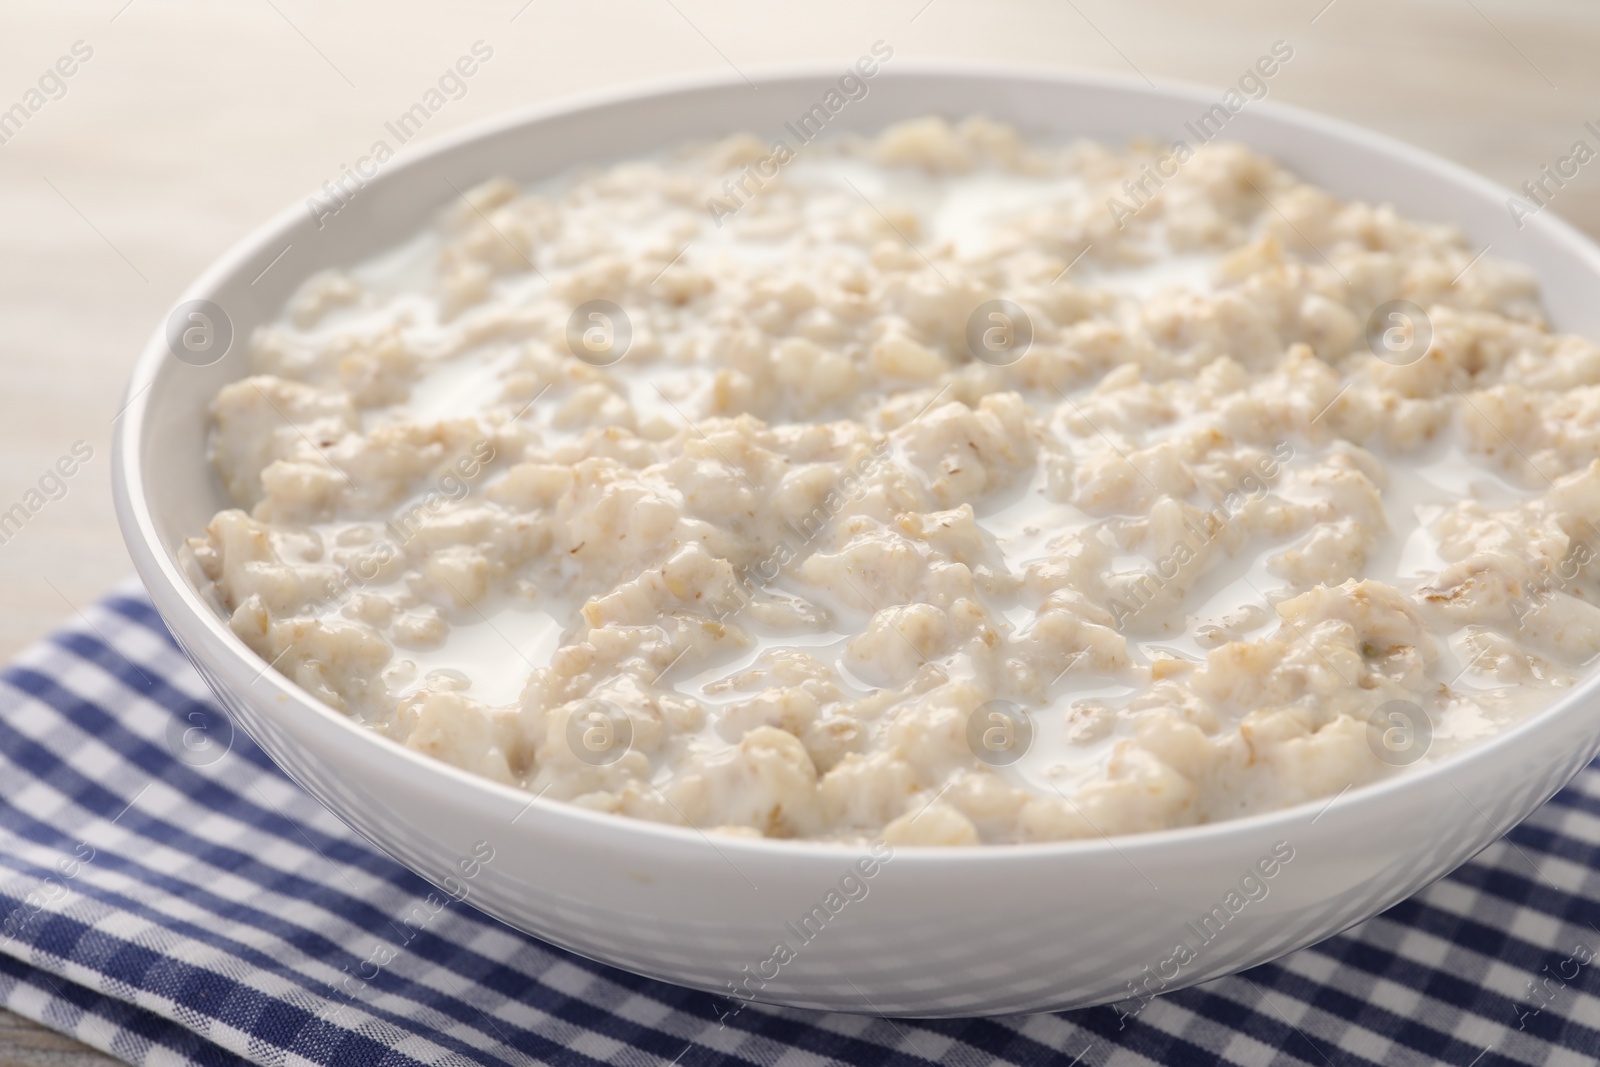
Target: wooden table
x=191, y=123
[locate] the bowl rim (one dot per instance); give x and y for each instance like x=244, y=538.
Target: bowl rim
x=161, y=574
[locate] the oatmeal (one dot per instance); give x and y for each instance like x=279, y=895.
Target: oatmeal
x=923, y=491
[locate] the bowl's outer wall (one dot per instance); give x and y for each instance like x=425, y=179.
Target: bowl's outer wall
x=938, y=933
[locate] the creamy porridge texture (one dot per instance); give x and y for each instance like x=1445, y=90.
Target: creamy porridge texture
x=922, y=497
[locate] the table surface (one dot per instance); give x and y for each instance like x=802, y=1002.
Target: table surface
x=191, y=123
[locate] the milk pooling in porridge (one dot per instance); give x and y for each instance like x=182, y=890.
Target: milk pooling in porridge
x=921, y=498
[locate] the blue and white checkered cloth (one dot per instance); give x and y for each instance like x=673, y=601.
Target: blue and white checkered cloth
x=203, y=910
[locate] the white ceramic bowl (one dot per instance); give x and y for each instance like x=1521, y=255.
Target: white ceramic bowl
x=981, y=930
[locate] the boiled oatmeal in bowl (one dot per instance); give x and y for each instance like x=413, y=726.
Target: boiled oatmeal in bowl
x=944, y=487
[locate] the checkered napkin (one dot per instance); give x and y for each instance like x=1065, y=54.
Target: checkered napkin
x=167, y=896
